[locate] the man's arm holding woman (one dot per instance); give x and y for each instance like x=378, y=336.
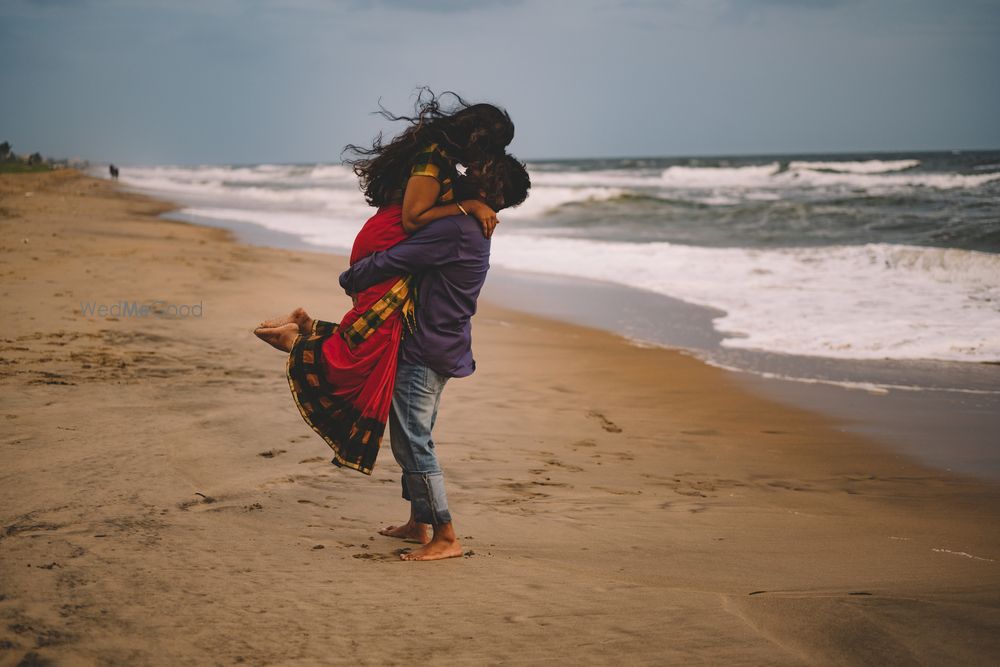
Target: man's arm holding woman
x=435, y=245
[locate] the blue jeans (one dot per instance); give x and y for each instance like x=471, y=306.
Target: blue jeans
x=415, y=403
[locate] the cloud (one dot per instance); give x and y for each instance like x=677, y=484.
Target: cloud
x=801, y=4
x=58, y=3
x=435, y=6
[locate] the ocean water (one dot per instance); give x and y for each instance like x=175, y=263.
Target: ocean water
x=855, y=257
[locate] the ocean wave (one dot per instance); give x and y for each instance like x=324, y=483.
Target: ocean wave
x=618, y=178
x=876, y=301
x=294, y=198
x=545, y=199
x=857, y=167
x=318, y=229
x=217, y=185
x=726, y=186
x=271, y=175
x=772, y=177
x=883, y=183
x=336, y=172
x=712, y=177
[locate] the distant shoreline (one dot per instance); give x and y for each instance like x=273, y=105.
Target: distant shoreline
x=679, y=156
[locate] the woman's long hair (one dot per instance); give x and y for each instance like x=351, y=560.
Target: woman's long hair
x=466, y=133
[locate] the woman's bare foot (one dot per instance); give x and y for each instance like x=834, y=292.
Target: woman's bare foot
x=443, y=545
x=299, y=317
x=411, y=530
x=282, y=337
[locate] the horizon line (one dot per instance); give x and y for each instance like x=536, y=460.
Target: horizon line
x=577, y=159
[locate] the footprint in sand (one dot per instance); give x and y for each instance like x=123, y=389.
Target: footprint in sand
x=525, y=496
x=688, y=484
x=789, y=485
x=27, y=527
x=380, y=557
x=803, y=594
x=618, y=492
x=522, y=486
x=701, y=431
x=202, y=499
x=271, y=453
x=606, y=423
x=566, y=466
x=691, y=507
x=48, y=566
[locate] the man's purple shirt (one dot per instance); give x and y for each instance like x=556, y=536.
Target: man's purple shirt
x=450, y=256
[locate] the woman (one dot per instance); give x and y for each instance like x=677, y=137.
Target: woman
x=342, y=376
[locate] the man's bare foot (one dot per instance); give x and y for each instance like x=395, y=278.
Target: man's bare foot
x=443, y=545
x=411, y=530
x=299, y=317
x=282, y=337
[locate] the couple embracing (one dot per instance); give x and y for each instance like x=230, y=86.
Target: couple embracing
x=417, y=267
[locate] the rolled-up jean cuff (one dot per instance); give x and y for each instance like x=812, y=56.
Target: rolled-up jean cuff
x=427, y=497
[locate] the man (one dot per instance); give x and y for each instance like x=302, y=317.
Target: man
x=450, y=257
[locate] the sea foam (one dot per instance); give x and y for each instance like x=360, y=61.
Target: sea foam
x=874, y=301
x=856, y=166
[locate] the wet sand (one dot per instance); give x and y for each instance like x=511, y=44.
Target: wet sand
x=945, y=414
x=162, y=502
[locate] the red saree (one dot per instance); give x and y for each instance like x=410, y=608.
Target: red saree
x=342, y=375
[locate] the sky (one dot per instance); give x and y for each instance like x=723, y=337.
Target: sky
x=250, y=81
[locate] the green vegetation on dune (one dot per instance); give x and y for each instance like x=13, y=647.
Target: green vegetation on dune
x=19, y=167
x=11, y=162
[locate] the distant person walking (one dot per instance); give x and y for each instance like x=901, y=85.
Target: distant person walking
x=113, y=170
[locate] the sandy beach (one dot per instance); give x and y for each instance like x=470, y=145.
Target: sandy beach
x=163, y=503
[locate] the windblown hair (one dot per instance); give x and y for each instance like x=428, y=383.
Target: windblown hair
x=466, y=133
